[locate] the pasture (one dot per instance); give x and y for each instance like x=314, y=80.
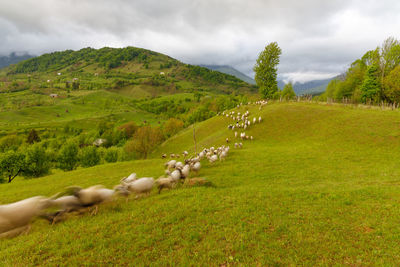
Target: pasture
x=319, y=185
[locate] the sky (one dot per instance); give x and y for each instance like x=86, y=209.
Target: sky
x=318, y=38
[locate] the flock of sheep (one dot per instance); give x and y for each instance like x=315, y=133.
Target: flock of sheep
x=15, y=218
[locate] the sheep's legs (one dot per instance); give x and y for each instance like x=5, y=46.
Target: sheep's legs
x=15, y=232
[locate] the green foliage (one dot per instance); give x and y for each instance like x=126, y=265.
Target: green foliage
x=144, y=140
x=111, y=154
x=128, y=129
x=89, y=156
x=11, y=165
x=37, y=162
x=288, y=92
x=172, y=126
x=370, y=87
x=10, y=142
x=68, y=156
x=392, y=85
x=266, y=70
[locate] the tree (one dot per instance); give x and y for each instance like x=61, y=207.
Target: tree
x=111, y=154
x=68, y=157
x=37, y=162
x=89, y=156
x=370, y=87
x=392, y=85
x=11, y=165
x=10, y=142
x=266, y=70
x=33, y=137
x=172, y=126
x=128, y=129
x=288, y=92
x=144, y=140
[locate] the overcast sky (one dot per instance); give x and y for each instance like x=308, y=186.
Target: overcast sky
x=319, y=38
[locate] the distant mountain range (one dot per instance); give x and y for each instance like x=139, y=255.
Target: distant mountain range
x=231, y=71
x=314, y=87
x=13, y=58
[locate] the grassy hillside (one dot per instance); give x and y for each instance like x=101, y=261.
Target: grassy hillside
x=318, y=186
x=231, y=71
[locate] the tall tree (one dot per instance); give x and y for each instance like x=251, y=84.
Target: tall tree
x=11, y=165
x=288, y=92
x=370, y=87
x=266, y=70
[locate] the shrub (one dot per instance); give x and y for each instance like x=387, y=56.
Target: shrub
x=37, y=162
x=68, y=157
x=89, y=156
x=111, y=154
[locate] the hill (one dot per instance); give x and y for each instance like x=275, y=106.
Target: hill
x=91, y=84
x=13, y=58
x=306, y=191
x=231, y=71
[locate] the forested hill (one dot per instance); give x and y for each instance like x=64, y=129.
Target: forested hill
x=117, y=68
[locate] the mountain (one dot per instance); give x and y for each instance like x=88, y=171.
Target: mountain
x=313, y=87
x=13, y=58
x=231, y=71
x=123, y=69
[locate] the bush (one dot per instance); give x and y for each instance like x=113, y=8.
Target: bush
x=33, y=137
x=111, y=154
x=11, y=165
x=89, y=156
x=37, y=161
x=172, y=126
x=68, y=157
x=10, y=142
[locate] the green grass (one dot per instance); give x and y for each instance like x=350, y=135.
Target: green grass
x=319, y=185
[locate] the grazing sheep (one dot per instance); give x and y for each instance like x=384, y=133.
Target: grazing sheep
x=185, y=171
x=236, y=134
x=15, y=218
x=170, y=164
x=185, y=153
x=176, y=175
x=240, y=145
x=179, y=165
x=251, y=137
x=223, y=155
x=259, y=119
x=196, y=167
x=227, y=140
x=213, y=158
x=172, y=156
x=163, y=156
x=236, y=145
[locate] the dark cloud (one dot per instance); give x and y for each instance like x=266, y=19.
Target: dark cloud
x=318, y=38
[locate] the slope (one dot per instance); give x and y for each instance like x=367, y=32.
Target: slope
x=317, y=186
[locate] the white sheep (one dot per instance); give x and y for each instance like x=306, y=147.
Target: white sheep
x=259, y=119
x=141, y=186
x=15, y=218
x=213, y=158
x=196, y=166
x=165, y=183
x=130, y=178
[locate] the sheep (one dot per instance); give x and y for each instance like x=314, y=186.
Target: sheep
x=254, y=120
x=236, y=134
x=259, y=119
x=67, y=204
x=185, y=154
x=240, y=145
x=196, y=167
x=179, y=165
x=251, y=137
x=223, y=155
x=185, y=171
x=172, y=156
x=165, y=183
x=141, y=185
x=236, y=145
x=170, y=164
x=163, y=156
x=94, y=195
x=213, y=158
x=15, y=218
x=176, y=175
x=130, y=178
x=227, y=140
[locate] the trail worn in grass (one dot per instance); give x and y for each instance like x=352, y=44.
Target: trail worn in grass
x=319, y=185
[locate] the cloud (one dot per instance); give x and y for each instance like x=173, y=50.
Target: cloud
x=318, y=38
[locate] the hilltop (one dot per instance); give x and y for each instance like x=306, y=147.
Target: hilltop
x=306, y=191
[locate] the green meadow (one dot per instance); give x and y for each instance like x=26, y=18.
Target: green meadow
x=318, y=185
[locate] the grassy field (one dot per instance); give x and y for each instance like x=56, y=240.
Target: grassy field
x=319, y=185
